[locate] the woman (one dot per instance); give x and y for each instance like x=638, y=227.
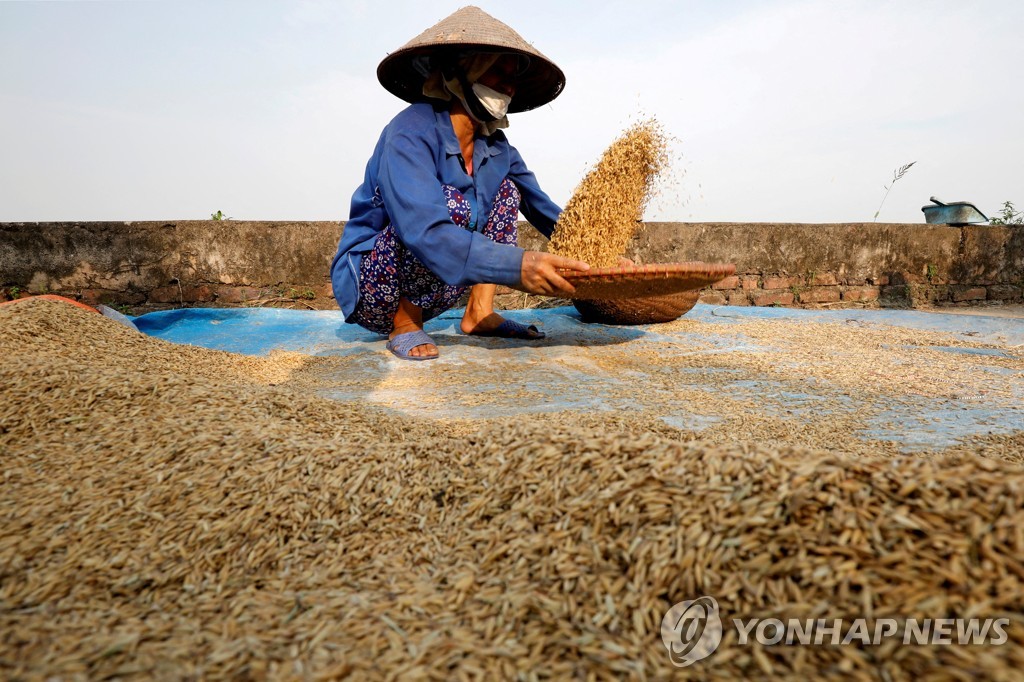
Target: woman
x=439, y=204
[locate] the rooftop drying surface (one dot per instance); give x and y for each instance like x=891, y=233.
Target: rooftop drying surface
x=510, y=511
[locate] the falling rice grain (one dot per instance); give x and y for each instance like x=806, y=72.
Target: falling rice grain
x=604, y=211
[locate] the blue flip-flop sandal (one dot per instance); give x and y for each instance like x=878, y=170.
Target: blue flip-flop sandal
x=510, y=329
x=403, y=343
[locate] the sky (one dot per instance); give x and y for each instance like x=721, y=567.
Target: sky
x=779, y=110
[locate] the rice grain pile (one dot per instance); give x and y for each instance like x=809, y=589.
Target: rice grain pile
x=603, y=213
x=162, y=520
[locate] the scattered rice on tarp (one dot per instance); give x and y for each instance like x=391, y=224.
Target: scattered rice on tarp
x=169, y=513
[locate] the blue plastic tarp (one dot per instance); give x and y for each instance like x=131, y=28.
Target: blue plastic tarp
x=479, y=374
x=257, y=331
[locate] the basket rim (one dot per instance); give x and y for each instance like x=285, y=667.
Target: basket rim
x=650, y=271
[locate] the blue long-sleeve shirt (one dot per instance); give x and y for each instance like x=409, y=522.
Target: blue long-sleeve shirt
x=417, y=153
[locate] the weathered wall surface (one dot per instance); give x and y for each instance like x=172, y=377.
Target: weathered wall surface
x=146, y=265
x=160, y=264
x=897, y=265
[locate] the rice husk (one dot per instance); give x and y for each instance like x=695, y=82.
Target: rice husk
x=605, y=209
x=170, y=512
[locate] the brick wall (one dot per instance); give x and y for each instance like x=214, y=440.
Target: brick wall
x=149, y=265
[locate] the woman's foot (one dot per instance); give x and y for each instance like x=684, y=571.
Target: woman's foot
x=409, y=318
x=496, y=325
x=480, y=317
x=481, y=320
x=482, y=324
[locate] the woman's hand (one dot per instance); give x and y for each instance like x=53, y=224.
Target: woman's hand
x=539, y=274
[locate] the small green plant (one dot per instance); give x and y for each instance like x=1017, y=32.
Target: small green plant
x=308, y=294
x=896, y=175
x=1009, y=215
x=14, y=291
x=219, y=215
x=932, y=271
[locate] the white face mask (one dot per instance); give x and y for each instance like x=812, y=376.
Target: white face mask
x=494, y=102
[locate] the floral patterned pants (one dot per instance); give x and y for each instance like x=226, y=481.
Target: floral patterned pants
x=390, y=271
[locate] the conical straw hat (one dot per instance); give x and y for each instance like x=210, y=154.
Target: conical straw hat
x=471, y=28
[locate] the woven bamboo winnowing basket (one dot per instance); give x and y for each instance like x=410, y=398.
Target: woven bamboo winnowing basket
x=644, y=310
x=643, y=294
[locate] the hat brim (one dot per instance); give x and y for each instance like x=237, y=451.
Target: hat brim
x=540, y=83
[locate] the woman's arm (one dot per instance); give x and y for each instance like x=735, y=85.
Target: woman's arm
x=540, y=271
x=536, y=206
x=414, y=201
